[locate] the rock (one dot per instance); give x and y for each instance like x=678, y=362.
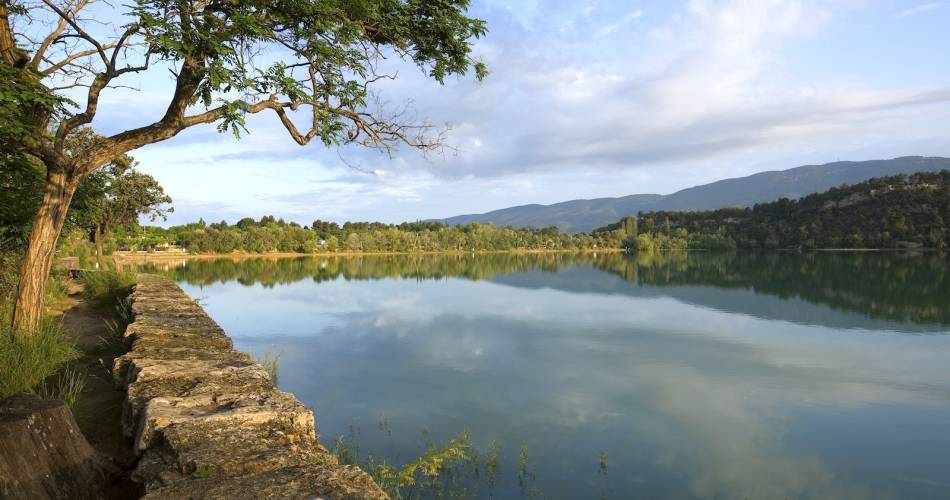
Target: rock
x=328, y=482
x=208, y=421
x=44, y=454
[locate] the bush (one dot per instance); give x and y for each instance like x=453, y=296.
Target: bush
x=107, y=287
x=28, y=360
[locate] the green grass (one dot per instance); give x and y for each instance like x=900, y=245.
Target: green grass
x=113, y=342
x=107, y=288
x=271, y=364
x=26, y=361
x=66, y=385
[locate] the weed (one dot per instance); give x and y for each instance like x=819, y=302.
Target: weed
x=271, y=364
x=67, y=385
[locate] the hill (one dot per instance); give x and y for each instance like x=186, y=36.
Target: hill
x=901, y=211
x=586, y=215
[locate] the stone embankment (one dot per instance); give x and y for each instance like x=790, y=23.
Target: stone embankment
x=207, y=421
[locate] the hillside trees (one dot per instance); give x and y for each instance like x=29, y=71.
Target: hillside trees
x=886, y=212
x=322, y=61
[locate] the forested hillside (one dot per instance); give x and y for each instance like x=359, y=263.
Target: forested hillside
x=887, y=212
x=586, y=215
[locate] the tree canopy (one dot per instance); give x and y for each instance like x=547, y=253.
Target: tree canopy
x=313, y=63
x=307, y=61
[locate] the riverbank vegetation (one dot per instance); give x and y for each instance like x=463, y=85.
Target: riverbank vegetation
x=268, y=234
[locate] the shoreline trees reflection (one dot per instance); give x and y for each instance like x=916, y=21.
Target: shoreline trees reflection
x=906, y=288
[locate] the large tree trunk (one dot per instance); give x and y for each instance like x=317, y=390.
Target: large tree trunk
x=44, y=455
x=57, y=193
x=97, y=240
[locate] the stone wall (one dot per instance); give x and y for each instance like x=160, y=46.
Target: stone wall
x=207, y=421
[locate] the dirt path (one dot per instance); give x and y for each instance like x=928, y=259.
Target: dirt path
x=99, y=409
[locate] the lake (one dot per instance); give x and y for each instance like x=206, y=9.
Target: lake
x=699, y=375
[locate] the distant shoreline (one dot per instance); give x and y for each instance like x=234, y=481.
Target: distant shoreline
x=165, y=256
x=276, y=255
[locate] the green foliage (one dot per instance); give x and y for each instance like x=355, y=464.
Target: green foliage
x=886, y=212
x=339, y=41
x=107, y=288
x=270, y=235
x=399, y=483
x=28, y=360
x=21, y=184
x=75, y=243
x=420, y=478
x=22, y=99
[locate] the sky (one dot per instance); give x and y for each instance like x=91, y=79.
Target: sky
x=587, y=100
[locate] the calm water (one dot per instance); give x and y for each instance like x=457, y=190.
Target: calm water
x=677, y=376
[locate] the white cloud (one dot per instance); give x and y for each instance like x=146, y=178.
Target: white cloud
x=637, y=14
x=919, y=9
x=607, y=30
x=702, y=88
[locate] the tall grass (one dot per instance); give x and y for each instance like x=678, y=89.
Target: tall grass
x=26, y=361
x=66, y=385
x=113, y=342
x=107, y=288
x=271, y=364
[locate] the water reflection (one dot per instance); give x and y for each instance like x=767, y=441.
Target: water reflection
x=901, y=289
x=699, y=375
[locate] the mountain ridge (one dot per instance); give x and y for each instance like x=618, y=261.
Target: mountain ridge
x=584, y=215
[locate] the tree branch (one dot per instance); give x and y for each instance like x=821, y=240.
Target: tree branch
x=79, y=31
x=72, y=57
x=60, y=27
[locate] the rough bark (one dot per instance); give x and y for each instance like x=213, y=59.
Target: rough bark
x=9, y=52
x=44, y=455
x=50, y=217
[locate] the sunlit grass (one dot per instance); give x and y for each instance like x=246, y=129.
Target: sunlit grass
x=107, y=287
x=26, y=360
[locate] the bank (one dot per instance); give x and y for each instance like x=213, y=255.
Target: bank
x=206, y=421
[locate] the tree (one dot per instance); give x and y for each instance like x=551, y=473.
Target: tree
x=322, y=59
x=124, y=194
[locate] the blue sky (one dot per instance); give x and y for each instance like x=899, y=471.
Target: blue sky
x=592, y=99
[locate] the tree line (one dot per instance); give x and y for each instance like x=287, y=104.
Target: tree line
x=901, y=211
x=269, y=234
